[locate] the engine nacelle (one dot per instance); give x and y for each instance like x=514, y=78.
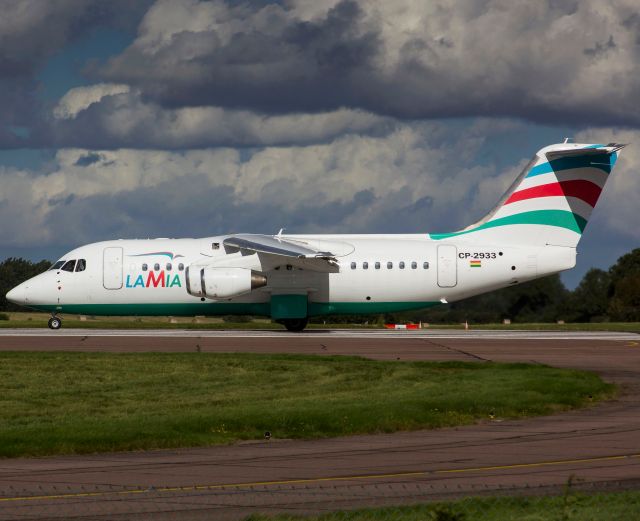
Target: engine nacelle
x=221, y=283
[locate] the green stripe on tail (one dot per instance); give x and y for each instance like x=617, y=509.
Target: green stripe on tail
x=558, y=218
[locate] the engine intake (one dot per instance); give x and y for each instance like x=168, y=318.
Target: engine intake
x=222, y=283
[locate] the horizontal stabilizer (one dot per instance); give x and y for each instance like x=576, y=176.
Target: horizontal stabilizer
x=592, y=151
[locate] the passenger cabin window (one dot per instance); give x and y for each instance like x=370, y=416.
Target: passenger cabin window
x=145, y=267
x=389, y=265
x=81, y=265
x=156, y=266
x=57, y=265
x=414, y=265
x=69, y=265
x=353, y=265
x=215, y=246
x=365, y=265
x=401, y=265
x=169, y=266
x=377, y=265
x=425, y=265
x=180, y=267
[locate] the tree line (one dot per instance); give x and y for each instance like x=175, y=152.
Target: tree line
x=602, y=296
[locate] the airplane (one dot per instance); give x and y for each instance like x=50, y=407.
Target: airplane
x=532, y=232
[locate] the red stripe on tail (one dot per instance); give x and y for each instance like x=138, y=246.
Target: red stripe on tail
x=581, y=189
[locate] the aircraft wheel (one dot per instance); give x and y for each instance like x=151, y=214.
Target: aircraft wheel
x=55, y=323
x=295, y=324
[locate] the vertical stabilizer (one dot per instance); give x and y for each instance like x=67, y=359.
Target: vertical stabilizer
x=551, y=200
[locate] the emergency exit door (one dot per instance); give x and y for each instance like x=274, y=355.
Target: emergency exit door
x=447, y=266
x=112, y=268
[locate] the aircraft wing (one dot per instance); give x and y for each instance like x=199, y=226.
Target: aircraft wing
x=286, y=249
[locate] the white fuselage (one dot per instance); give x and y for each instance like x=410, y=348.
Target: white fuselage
x=375, y=274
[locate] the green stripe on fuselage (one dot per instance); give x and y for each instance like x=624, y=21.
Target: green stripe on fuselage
x=229, y=308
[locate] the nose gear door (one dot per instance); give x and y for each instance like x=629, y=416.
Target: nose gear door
x=112, y=268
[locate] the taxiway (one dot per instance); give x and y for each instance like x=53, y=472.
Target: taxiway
x=599, y=446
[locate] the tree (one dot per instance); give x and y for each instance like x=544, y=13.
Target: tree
x=624, y=290
x=13, y=271
x=589, y=302
x=537, y=301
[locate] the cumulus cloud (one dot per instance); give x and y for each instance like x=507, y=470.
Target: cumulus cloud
x=81, y=98
x=31, y=31
x=407, y=181
x=559, y=62
x=224, y=73
x=110, y=116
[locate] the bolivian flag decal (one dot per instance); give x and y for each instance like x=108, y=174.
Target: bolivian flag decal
x=475, y=263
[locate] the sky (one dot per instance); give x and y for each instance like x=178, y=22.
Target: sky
x=188, y=118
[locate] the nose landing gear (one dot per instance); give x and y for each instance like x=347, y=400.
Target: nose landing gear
x=54, y=322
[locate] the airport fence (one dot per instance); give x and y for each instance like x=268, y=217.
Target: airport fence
x=393, y=501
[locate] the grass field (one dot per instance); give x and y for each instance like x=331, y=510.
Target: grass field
x=39, y=320
x=578, y=507
x=55, y=403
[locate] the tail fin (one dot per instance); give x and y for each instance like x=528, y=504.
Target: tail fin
x=551, y=200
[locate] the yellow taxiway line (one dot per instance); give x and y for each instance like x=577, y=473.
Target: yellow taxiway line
x=193, y=488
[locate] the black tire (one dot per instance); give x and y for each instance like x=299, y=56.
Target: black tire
x=295, y=325
x=55, y=323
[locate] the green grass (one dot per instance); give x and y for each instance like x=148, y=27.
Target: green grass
x=578, y=507
x=56, y=403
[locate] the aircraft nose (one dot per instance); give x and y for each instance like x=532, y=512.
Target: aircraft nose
x=17, y=295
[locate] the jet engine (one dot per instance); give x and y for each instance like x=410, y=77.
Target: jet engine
x=222, y=283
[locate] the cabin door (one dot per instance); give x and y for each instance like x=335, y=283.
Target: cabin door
x=112, y=268
x=447, y=266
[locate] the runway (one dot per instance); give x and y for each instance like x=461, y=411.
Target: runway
x=324, y=333
x=599, y=446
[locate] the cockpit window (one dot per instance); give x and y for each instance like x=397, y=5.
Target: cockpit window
x=81, y=265
x=69, y=265
x=57, y=265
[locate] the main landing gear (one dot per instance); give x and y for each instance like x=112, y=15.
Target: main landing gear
x=294, y=325
x=54, y=322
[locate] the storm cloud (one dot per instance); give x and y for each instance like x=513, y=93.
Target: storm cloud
x=220, y=73
x=32, y=31
x=550, y=61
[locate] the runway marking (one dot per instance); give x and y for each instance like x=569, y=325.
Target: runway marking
x=194, y=488
x=633, y=344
